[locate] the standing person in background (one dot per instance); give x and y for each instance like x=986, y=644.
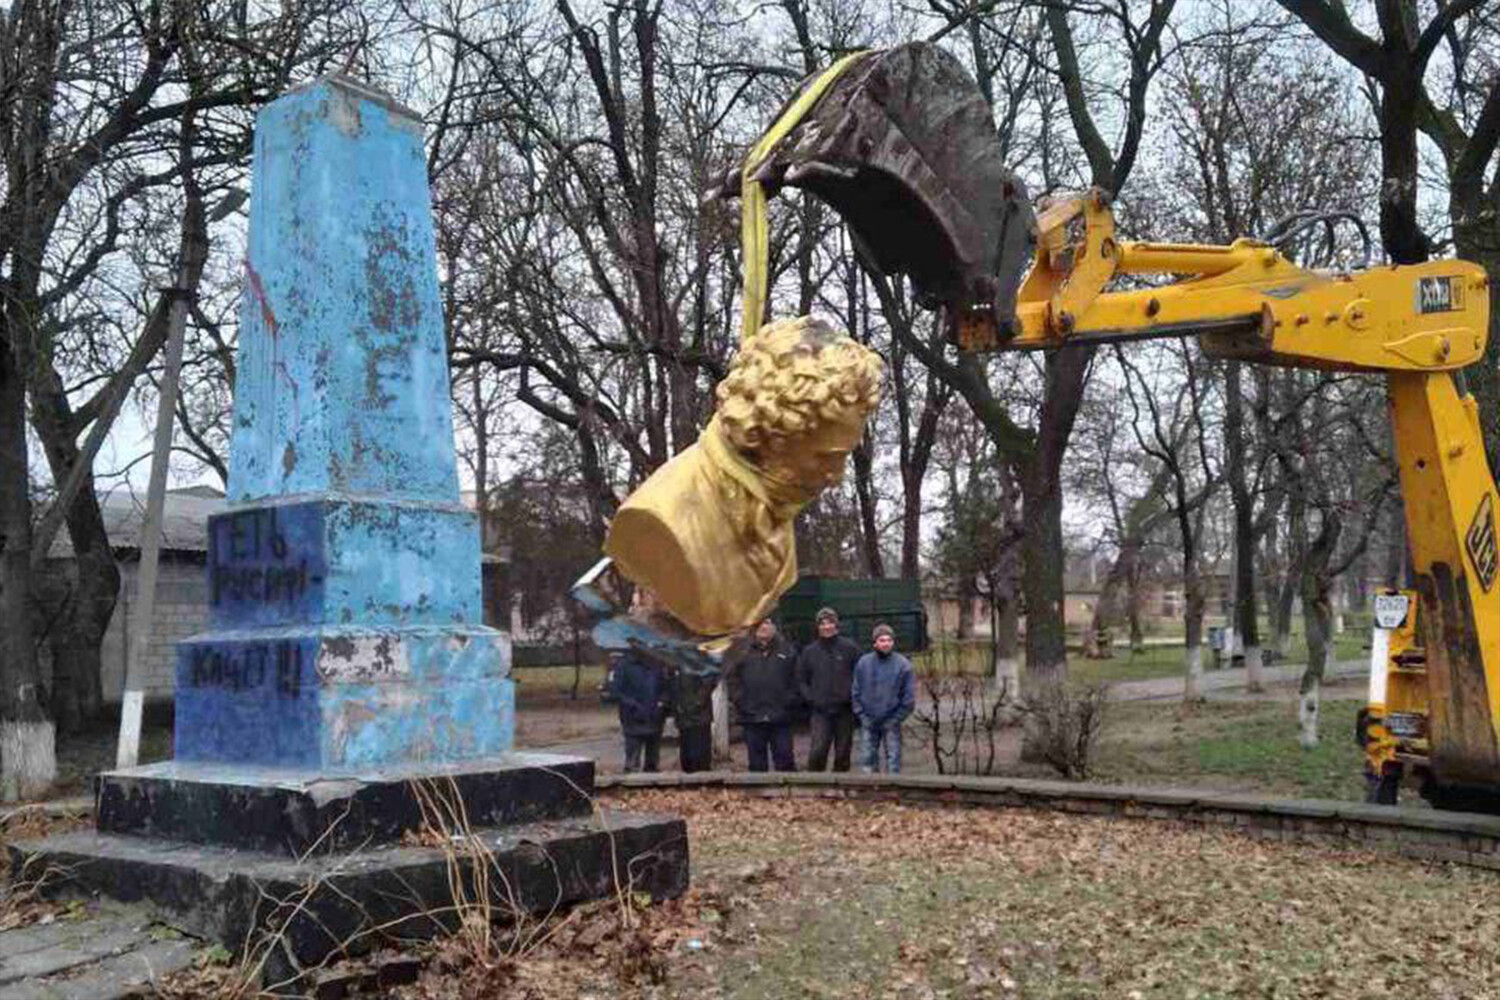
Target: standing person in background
x=692, y=704
x=825, y=675
x=884, y=693
x=640, y=688
x=763, y=691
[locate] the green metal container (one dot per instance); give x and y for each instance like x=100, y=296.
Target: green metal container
x=861, y=604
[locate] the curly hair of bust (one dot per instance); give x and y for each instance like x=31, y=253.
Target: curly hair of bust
x=791, y=377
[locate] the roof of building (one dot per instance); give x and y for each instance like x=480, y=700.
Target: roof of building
x=185, y=515
x=184, y=520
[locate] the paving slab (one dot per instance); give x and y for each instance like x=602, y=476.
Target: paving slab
x=110, y=953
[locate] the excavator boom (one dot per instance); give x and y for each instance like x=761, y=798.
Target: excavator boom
x=904, y=147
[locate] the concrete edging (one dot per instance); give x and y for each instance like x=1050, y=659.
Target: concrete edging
x=1460, y=838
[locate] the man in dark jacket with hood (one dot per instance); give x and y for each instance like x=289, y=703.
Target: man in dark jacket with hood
x=640, y=688
x=884, y=694
x=763, y=691
x=825, y=673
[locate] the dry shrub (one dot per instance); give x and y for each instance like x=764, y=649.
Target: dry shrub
x=961, y=718
x=1063, y=721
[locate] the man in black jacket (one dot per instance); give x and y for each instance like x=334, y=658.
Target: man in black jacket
x=825, y=670
x=763, y=691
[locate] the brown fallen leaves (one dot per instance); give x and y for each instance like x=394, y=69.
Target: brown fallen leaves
x=825, y=898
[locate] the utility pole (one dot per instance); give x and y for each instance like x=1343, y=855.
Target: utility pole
x=128, y=750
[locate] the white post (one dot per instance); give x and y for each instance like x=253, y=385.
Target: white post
x=127, y=751
x=721, y=724
x=1380, y=655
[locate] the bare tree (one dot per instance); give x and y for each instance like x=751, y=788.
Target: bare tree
x=94, y=102
x=1171, y=426
x=1459, y=111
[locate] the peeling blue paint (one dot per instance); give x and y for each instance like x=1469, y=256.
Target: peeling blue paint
x=342, y=363
x=311, y=698
x=344, y=578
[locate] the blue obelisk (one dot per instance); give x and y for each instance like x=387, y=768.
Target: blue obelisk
x=345, y=624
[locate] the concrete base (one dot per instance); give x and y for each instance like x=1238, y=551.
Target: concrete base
x=310, y=866
x=299, y=912
x=291, y=812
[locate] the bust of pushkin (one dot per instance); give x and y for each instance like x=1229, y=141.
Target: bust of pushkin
x=710, y=532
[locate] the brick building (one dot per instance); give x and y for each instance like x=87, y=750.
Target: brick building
x=181, y=585
x=181, y=588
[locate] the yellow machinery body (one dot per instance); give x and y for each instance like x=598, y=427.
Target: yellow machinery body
x=1440, y=707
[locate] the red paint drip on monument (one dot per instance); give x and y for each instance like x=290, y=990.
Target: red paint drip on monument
x=259, y=291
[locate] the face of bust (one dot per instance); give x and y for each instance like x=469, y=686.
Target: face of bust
x=816, y=460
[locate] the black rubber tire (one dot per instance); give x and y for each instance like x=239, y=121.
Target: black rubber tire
x=1457, y=798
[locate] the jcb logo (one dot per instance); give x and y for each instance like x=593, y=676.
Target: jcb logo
x=1435, y=295
x=1481, y=542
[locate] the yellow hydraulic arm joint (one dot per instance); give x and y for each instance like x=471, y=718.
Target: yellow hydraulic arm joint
x=1245, y=300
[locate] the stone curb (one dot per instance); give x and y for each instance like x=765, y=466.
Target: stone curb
x=1460, y=838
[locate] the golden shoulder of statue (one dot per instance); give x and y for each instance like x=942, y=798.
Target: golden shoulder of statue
x=710, y=532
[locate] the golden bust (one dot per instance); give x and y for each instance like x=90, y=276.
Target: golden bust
x=710, y=532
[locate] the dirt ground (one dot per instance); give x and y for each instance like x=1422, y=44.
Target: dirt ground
x=828, y=899
x=1234, y=741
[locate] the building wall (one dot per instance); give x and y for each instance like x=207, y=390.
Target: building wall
x=181, y=610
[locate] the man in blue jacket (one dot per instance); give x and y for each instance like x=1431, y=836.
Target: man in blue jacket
x=884, y=694
x=640, y=688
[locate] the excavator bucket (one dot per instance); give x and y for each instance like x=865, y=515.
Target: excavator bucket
x=903, y=146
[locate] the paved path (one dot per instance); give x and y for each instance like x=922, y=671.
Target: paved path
x=1229, y=680
x=94, y=953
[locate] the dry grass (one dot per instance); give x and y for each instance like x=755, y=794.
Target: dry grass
x=824, y=898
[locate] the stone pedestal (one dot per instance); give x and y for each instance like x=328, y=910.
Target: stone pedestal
x=347, y=677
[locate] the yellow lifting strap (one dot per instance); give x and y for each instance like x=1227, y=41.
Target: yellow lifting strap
x=753, y=229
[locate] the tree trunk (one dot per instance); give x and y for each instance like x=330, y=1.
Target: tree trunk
x=911, y=524
x=1281, y=615
x=77, y=693
x=1042, y=502
x=1317, y=614
x=1245, y=613
x=864, y=491
x=1113, y=607
x=28, y=762
x=1006, y=640
x=966, y=594
x=1192, y=621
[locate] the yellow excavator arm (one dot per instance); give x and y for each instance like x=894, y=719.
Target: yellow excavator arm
x=1438, y=707
x=900, y=143
x=903, y=146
